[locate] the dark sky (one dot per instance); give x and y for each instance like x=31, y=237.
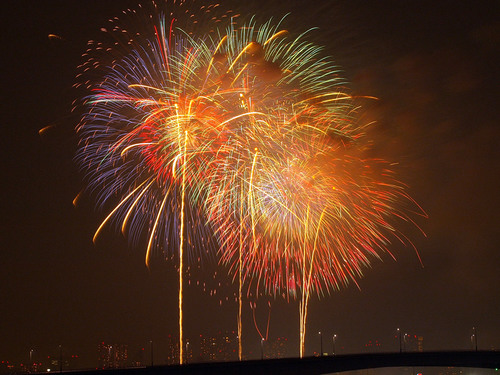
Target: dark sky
x=434, y=67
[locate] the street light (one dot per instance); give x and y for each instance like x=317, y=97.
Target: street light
x=404, y=342
x=31, y=360
x=262, y=348
x=334, y=339
x=321, y=343
x=151, y=350
x=400, y=344
x=475, y=337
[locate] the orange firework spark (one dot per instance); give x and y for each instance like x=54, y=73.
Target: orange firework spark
x=244, y=128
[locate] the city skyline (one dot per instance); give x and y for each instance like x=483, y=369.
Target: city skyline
x=432, y=68
x=221, y=347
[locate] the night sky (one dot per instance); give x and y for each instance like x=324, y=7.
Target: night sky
x=434, y=67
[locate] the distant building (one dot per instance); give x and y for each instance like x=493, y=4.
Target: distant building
x=60, y=361
x=173, y=350
x=420, y=344
x=112, y=356
x=6, y=367
x=137, y=359
x=276, y=348
x=188, y=351
x=208, y=349
x=227, y=343
x=373, y=346
x=221, y=347
x=413, y=343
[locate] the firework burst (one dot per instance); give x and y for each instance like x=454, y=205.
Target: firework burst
x=244, y=133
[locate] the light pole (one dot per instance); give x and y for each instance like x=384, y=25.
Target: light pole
x=262, y=348
x=31, y=360
x=475, y=337
x=151, y=351
x=400, y=344
x=334, y=339
x=404, y=342
x=320, y=343
x=187, y=351
x=60, y=358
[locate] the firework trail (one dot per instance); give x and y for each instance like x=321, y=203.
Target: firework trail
x=199, y=128
x=299, y=208
x=149, y=131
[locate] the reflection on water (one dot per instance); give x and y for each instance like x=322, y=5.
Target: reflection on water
x=423, y=371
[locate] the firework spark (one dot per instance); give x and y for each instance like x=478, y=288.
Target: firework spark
x=148, y=133
x=243, y=133
x=299, y=207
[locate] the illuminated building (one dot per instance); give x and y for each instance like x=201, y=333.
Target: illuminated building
x=373, y=346
x=208, y=348
x=6, y=367
x=112, y=356
x=222, y=347
x=413, y=343
x=138, y=359
x=276, y=348
x=173, y=350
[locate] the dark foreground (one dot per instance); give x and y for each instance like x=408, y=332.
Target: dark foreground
x=320, y=365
